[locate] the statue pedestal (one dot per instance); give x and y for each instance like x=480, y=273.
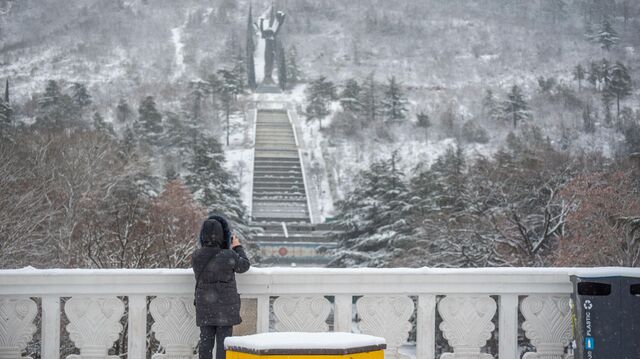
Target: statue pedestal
x=268, y=88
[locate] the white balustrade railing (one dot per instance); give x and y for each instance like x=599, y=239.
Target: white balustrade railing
x=467, y=300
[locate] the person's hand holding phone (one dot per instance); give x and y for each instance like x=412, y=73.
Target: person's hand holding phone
x=234, y=241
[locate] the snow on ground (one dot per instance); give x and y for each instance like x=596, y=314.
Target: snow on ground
x=176, y=38
x=239, y=153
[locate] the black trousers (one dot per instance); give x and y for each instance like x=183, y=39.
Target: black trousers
x=208, y=335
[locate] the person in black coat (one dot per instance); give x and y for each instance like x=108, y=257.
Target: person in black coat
x=216, y=297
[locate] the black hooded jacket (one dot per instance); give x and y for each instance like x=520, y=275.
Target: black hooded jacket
x=217, y=298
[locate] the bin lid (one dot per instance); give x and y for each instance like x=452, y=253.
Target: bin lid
x=302, y=343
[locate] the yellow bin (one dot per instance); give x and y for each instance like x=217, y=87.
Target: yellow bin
x=290, y=345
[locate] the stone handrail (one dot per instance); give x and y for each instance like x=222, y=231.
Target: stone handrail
x=467, y=300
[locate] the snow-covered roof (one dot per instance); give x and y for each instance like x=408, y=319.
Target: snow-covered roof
x=289, y=343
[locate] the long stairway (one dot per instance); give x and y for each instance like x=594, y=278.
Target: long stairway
x=278, y=184
x=280, y=207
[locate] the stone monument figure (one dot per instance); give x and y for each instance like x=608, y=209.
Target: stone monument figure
x=269, y=28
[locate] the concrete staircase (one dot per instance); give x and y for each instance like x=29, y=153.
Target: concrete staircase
x=279, y=193
x=280, y=206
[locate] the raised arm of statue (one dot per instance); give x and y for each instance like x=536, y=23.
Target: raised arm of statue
x=280, y=16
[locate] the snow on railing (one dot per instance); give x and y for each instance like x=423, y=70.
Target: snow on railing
x=298, y=299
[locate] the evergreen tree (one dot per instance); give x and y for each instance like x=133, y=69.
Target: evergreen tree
x=605, y=74
x=394, y=103
x=80, y=95
x=101, y=126
x=620, y=85
x=56, y=110
x=6, y=112
x=607, y=37
x=607, y=100
x=319, y=94
x=490, y=106
x=450, y=191
x=210, y=182
x=227, y=93
x=294, y=75
x=250, y=49
x=282, y=68
x=588, y=122
x=238, y=73
x=370, y=102
x=374, y=217
x=150, y=121
x=423, y=120
x=555, y=10
x=350, y=96
x=215, y=88
x=594, y=73
x=515, y=108
x=123, y=111
x=197, y=92
x=579, y=74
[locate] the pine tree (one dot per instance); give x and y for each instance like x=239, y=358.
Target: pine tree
x=350, y=96
x=198, y=90
x=588, y=123
x=555, y=10
x=81, y=97
x=594, y=73
x=607, y=100
x=319, y=94
x=579, y=74
x=227, y=93
x=607, y=36
x=490, y=106
x=101, y=126
x=150, y=121
x=605, y=74
x=451, y=186
x=620, y=85
x=394, y=103
x=423, y=120
x=123, y=111
x=370, y=102
x=239, y=72
x=294, y=75
x=6, y=112
x=210, y=182
x=515, y=108
x=56, y=110
x=374, y=217
x=282, y=68
x=250, y=49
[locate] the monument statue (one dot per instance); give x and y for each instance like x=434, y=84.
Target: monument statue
x=269, y=28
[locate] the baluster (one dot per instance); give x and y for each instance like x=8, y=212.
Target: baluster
x=175, y=326
x=50, y=327
x=426, y=327
x=94, y=325
x=342, y=315
x=547, y=324
x=386, y=317
x=264, y=310
x=508, y=324
x=301, y=314
x=137, y=329
x=466, y=324
x=16, y=325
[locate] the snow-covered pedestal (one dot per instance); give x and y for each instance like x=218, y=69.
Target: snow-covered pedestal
x=301, y=344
